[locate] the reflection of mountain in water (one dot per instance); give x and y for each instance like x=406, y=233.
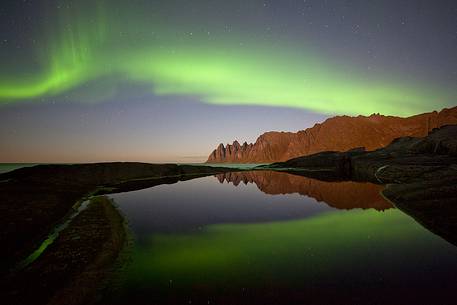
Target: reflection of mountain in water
x=340, y=195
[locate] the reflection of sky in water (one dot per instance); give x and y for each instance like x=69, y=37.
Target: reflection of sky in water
x=207, y=238
x=190, y=205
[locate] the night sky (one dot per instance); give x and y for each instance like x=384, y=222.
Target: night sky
x=166, y=81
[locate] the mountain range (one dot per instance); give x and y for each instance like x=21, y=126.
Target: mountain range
x=340, y=133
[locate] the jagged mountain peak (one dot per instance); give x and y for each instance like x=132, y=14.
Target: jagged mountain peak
x=339, y=133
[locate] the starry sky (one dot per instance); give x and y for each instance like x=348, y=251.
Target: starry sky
x=166, y=81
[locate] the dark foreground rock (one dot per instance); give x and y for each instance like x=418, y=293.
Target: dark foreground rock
x=71, y=269
x=420, y=174
x=431, y=203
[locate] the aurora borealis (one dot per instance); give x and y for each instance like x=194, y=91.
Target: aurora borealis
x=314, y=57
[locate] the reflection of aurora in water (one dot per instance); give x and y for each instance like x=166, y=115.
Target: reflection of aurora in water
x=349, y=248
x=350, y=242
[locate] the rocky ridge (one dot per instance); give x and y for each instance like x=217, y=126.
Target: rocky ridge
x=340, y=133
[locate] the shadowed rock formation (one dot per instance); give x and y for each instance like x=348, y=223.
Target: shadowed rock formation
x=341, y=133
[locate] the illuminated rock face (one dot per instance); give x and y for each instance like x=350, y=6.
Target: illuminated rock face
x=339, y=133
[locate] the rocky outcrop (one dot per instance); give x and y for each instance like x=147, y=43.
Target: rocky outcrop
x=339, y=133
x=405, y=160
x=231, y=153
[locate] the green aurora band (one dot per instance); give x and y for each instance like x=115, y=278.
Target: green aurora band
x=87, y=44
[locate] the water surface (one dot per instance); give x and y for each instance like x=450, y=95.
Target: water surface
x=267, y=237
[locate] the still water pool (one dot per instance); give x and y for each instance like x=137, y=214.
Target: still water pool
x=264, y=237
